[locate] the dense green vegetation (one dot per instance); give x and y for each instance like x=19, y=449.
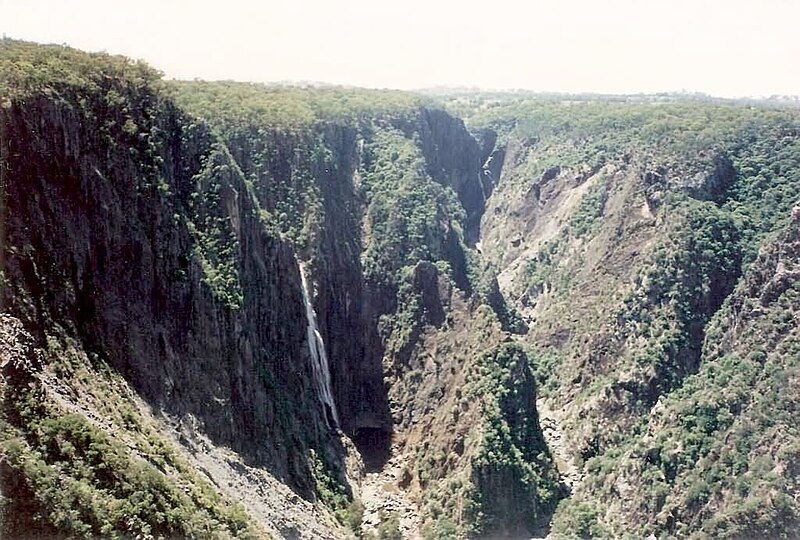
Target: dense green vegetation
x=409, y=215
x=508, y=472
x=719, y=456
x=683, y=136
x=234, y=105
x=690, y=273
x=587, y=217
x=217, y=246
x=54, y=69
x=65, y=474
x=512, y=450
x=766, y=158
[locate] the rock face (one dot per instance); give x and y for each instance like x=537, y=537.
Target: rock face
x=349, y=306
x=454, y=159
x=282, y=166
x=242, y=311
x=107, y=249
x=159, y=252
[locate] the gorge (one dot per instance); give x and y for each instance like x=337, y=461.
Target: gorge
x=244, y=310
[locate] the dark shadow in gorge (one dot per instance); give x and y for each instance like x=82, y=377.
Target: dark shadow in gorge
x=374, y=445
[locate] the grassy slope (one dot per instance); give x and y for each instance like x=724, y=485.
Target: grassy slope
x=80, y=456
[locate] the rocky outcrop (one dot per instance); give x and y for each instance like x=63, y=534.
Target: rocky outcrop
x=453, y=158
x=707, y=180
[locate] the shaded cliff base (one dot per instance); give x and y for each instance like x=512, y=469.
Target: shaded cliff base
x=82, y=448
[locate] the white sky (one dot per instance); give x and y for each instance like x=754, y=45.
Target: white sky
x=721, y=47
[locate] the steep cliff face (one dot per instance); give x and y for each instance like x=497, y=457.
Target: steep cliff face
x=160, y=233
x=240, y=288
x=305, y=182
x=384, y=209
x=453, y=158
x=239, y=310
x=132, y=234
x=317, y=185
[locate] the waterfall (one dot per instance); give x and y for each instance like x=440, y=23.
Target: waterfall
x=486, y=171
x=480, y=183
x=319, y=358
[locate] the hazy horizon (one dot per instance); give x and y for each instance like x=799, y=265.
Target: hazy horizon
x=740, y=48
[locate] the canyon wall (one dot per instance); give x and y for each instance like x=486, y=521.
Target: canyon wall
x=226, y=301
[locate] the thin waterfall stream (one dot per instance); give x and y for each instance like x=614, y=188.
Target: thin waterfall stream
x=319, y=357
